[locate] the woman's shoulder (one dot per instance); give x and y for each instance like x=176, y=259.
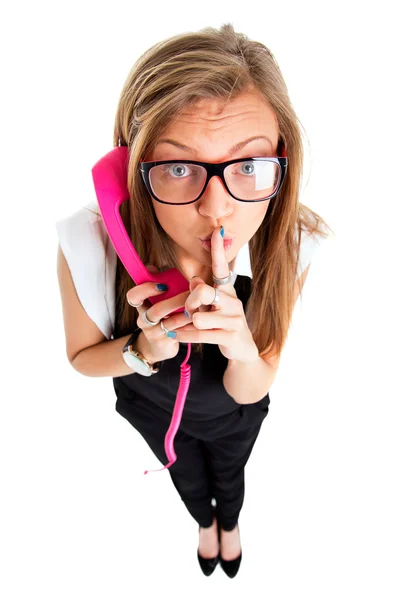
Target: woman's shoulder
x=92, y=261
x=85, y=216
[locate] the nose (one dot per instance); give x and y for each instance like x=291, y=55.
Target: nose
x=215, y=201
x=215, y=183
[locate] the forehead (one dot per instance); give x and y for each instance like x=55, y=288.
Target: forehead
x=249, y=113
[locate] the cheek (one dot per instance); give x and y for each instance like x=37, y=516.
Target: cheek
x=259, y=213
x=174, y=220
x=250, y=217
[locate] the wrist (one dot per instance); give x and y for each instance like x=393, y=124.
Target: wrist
x=142, y=345
x=250, y=357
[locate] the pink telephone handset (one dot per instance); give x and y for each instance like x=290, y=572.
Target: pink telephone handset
x=110, y=182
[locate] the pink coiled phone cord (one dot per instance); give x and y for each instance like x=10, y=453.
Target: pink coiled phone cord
x=177, y=413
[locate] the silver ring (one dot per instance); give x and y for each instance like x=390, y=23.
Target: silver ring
x=224, y=280
x=216, y=297
x=165, y=330
x=135, y=305
x=146, y=320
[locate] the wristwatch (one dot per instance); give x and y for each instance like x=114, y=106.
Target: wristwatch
x=137, y=361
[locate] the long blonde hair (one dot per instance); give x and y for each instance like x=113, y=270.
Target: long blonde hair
x=170, y=76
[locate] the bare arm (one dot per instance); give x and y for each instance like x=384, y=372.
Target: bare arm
x=247, y=383
x=105, y=359
x=88, y=350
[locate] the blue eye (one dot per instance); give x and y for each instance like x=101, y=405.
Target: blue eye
x=248, y=168
x=181, y=171
x=178, y=170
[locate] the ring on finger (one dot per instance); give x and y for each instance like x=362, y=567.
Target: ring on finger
x=223, y=280
x=147, y=321
x=135, y=305
x=165, y=330
x=216, y=297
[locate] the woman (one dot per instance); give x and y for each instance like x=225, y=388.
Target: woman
x=190, y=103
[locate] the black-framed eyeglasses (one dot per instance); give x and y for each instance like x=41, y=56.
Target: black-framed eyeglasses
x=251, y=179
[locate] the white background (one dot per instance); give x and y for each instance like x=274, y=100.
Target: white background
x=320, y=518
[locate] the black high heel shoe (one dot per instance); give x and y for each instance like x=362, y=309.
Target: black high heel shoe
x=230, y=567
x=208, y=565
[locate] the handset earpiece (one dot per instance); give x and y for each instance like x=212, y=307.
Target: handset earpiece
x=110, y=182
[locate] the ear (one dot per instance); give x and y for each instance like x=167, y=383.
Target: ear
x=152, y=269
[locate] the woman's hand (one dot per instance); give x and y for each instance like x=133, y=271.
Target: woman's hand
x=158, y=346
x=224, y=323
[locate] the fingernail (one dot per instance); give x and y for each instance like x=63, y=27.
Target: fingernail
x=171, y=334
x=162, y=287
x=186, y=313
x=222, y=231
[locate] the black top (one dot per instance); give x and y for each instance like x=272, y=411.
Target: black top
x=206, y=398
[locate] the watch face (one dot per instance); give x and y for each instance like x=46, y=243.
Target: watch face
x=136, y=364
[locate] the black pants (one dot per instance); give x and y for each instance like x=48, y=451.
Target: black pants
x=211, y=455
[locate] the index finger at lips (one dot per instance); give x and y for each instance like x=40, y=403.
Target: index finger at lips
x=220, y=265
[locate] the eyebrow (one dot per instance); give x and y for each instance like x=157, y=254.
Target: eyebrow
x=235, y=148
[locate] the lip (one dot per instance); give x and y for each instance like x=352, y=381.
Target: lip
x=228, y=242
x=226, y=238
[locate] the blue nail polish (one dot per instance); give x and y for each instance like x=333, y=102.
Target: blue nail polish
x=162, y=287
x=171, y=334
x=186, y=313
x=222, y=231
